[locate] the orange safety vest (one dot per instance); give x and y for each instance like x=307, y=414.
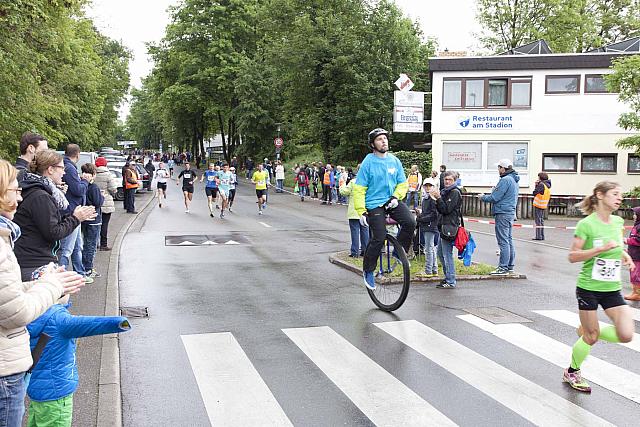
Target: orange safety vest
x=541, y=201
x=413, y=182
x=128, y=185
x=327, y=178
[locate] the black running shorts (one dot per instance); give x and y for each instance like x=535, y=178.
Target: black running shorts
x=589, y=300
x=211, y=191
x=162, y=186
x=261, y=193
x=188, y=188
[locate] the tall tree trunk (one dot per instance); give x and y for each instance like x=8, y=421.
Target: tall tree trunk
x=224, y=142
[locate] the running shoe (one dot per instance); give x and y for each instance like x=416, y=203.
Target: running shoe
x=574, y=379
x=230, y=209
x=93, y=273
x=264, y=205
x=221, y=215
x=186, y=211
x=88, y=280
x=259, y=212
x=217, y=206
x=211, y=215
x=445, y=285
x=369, y=280
x=500, y=272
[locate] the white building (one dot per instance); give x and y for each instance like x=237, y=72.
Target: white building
x=546, y=112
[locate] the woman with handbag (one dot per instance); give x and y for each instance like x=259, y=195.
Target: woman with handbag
x=448, y=204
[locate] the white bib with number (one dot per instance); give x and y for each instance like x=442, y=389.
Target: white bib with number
x=606, y=270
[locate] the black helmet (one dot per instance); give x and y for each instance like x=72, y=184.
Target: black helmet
x=376, y=133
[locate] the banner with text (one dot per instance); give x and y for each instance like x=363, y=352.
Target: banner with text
x=408, y=111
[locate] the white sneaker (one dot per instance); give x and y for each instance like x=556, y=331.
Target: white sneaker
x=186, y=211
x=259, y=212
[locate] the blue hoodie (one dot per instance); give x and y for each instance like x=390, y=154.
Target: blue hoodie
x=77, y=191
x=505, y=194
x=56, y=374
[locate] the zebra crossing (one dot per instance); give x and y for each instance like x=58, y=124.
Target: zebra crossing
x=234, y=393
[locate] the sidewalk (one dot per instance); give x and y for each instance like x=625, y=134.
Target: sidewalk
x=97, y=400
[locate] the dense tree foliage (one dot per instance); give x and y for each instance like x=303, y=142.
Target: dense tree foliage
x=625, y=80
x=567, y=25
x=322, y=69
x=60, y=76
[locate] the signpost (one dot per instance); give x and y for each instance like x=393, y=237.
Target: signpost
x=278, y=141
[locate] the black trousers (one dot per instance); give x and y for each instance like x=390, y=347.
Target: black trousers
x=104, y=229
x=538, y=215
x=129, y=200
x=378, y=226
x=326, y=193
x=315, y=190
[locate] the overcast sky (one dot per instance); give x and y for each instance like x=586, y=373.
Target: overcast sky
x=135, y=22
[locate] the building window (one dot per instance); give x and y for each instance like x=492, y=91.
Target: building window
x=560, y=162
x=599, y=162
x=633, y=163
x=562, y=84
x=462, y=155
x=452, y=94
x=474, y=93
x=498, y=92
x=594, y=83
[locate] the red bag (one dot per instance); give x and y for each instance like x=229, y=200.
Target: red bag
x=462, y=237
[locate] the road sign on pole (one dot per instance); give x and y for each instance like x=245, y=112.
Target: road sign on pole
x=278, y=141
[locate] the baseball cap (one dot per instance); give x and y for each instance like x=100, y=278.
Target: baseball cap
x=505, y=163
x=429, y=181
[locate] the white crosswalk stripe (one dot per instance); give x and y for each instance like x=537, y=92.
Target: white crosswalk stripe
x=572, y=319
x=378, y=394
x=607, y=375
x=522, y=396
x=233, y=392
x=635, y=313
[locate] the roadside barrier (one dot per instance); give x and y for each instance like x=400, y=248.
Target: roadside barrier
x=551, y=227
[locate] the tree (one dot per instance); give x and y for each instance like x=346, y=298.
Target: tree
x=625, y=80
x=566, y=25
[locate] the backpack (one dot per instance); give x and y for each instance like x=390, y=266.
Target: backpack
x=302, y=179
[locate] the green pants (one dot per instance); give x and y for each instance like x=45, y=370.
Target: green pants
x=52, y=413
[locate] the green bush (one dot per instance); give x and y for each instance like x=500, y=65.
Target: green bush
x=420, y=158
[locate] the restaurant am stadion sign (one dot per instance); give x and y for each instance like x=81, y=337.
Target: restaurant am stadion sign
x=408, y=107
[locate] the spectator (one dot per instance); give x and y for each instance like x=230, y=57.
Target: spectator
x=20, y=303
x=250, y=166
x=541, y=197
x=234, y=163
x=108, y=185
x=326, y=184
x=40, y=215
x=504, y=198
x=428, y=219
x=150, y=170
x=71, y=246
x=55, y=378
x=314, y=175
x=359, y=233
x=341, y=181
x=443, y=169
x=130, y=185
x=91, y=228
x=414, y=179
x=436, y=179
x=30, y=145
x=334, y=185
x=303, y=183
x=321, y=171
x=448, y=204
x=279, y=177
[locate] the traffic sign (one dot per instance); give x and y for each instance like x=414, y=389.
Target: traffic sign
x=278, y=142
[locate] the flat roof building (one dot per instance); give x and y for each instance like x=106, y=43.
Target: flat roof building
x=545, y=112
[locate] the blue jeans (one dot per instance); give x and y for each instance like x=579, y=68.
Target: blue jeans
x=445, y=255
x=431, y=261
x=334, y=194
x=413, y=197
x=71, y=247
x=90, y=235
x=279, y=185
x=359, y=237
x=504, y=226
x=12, y=392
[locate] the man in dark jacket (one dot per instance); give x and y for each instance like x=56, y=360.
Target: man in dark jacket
x=30, y=145
x=448, y=203
x=428, y=219
x=71, y=250
x=150, y=170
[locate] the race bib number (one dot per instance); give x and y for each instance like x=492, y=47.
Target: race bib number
x=261, y=182
x=211, y=178
x=187, y=175
x=606, y=270
x=224, y=181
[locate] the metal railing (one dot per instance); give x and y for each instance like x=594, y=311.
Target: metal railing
x=558, y=206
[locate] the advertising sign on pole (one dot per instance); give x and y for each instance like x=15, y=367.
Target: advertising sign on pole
x=408, y=111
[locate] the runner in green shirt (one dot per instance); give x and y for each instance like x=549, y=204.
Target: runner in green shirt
x=597, y=243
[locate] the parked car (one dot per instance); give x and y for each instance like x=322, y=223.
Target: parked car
x=142, y=172
x=85, y=157
x=120, y=193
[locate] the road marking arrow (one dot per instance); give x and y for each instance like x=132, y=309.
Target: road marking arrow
x=232, y=242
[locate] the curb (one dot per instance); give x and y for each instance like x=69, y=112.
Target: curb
x=333, y=259
x=109, y=396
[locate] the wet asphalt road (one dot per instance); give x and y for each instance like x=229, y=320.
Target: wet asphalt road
x=279, y=277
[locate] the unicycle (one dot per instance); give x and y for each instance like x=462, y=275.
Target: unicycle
x=393, y=274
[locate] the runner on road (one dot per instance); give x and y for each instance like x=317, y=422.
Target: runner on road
x=224, y=184
x=380, y=185
x=597, y=243
x=170, y=165
x=211, y=188
x=232, y=187
x=261, y=179
x=162, y=175
x=188, y=178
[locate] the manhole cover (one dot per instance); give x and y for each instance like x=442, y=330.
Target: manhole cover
x=134, y=312
x=497, y=315
x=206, y=240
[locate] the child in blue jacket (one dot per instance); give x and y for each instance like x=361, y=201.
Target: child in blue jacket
x=54, y=378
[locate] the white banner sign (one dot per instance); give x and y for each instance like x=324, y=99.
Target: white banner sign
x=408, y=112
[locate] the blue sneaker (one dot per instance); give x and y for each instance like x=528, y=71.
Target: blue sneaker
x=369, y=280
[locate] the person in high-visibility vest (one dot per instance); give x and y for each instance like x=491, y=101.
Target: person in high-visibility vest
x=541, y=197
x=413, y=194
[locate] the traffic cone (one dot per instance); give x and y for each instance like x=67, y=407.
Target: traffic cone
x=635, y=293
